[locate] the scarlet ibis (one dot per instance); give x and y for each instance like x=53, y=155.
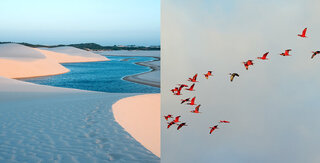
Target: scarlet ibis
x=180, y=88
x=196, y=110
x=213, y=128
x=192, y=101
x=176, y=120
x=286, y=53
x=224, y=121
x=181, y=125
x=314, y=54
x=190, y=88
x=264, y=57
x=233, y=75
x=194, y=79
x=248, y=63
x=171, y=123
x=168, y=116
x=185, y=100
x=303, y=34
x=209, y=73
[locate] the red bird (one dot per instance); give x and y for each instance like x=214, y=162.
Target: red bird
x=168, y=116
x=247, y=64
x=192, y=101
x=314, y=54
x=181, y=125
x=171, y=123
x=176, y=120
x=264, y=57
x=213, y=128
x=303, y=34
x=223, y=121
x=185, y=100
x=286, y=53
x=209, y=73
x=180, y=88
x=194, y=79
x=196, y=110
x=190, y=88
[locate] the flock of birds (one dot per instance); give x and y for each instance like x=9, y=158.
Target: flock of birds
x=191, y=101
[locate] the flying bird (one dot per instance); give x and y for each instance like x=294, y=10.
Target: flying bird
x=213, y=128
x=196, y=110
x=314, y=54
x=286, y=53
x=185, y=100
x=224, y=121
x=192, y=101
x=170, y=124
x=232, y=75
x=168, y=116
x=181, y=125
x=190, y=88
x=247, y=64
x=176, y=120
x=303, y=34
x=194, y=79
x=264, y=57
x=209, y=73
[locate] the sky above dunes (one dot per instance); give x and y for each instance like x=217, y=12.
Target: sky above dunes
x=273, y=107
x=107, y=22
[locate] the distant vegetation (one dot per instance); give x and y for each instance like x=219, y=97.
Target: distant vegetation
x=93, y=46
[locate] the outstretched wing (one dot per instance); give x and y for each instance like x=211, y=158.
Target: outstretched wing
x=304, y=31
x=195, y=77
x=265, y=55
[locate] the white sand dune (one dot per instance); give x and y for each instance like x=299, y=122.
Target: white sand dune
x=49, y=124
x=19, y=61
x=69, y=54
x=140, y=116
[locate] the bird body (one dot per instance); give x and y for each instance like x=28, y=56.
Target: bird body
x=192, y=101
x=303, y=34
x=196, y=110
x=185, y=100
x=191, y=87
x=286, y=53
x=232, y=75
x=176, y=120
x=213, y=128
x=168, y=116
x=264, y=57
x=181, y=125
x=224, y=121
x=194, y=79
x=314, y=54
x=170, y=124
x=209, y=73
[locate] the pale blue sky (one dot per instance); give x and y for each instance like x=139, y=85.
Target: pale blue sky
x=106, y=22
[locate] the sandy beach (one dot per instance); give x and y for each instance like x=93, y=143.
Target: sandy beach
x=44, y=123
x=140, y=116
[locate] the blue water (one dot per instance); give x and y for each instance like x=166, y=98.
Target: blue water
x=101, y=76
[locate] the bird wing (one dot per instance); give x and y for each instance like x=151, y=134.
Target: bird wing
x=195, y=77
x=192, y=86
x=231, y=77
x=304, y=31
x=265, y=54
x=192, y=100
x=197, y=108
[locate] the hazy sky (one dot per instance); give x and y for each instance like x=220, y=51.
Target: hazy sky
x=107, y=22
x=273, y=107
